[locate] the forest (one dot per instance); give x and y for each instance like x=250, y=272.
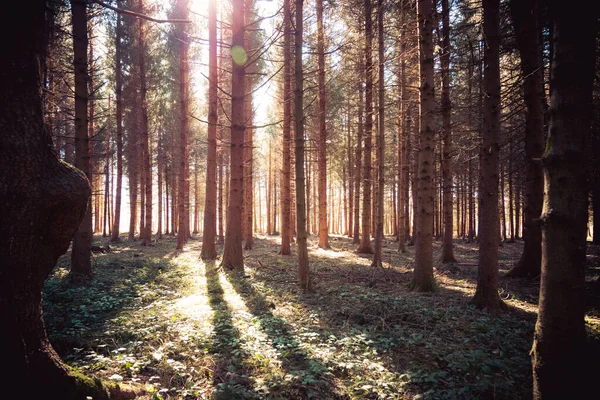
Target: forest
x=289, y=199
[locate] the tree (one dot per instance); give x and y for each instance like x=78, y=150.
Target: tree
x=322, y=147
x=232, y=251
x=209, y=233
x=525, y=17
x=486, y=295
x=377, y=260
x=558, y=353
x=303, y=267
x=44, y=201
x=423, y=274
x=81, y=265
x=365, y=239
x=119, y=137
x=184, y=127
x=287, y=104
x=447, y=246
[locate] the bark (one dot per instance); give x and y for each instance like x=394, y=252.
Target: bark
x=447, y=245
x=209, y=232
x=365, y=240
x=81, y=266
x=486, y=294
x=558, y=355
x=525, y=17
x=287, y=101
x=303, y=267
x=423, y=274
x=377, y=257
x=358, y=159
x=184, y=127
x=43, y=202
x=269, y=188
x=322, y=142
x=146, y=233
x=402, y=117
x=232, y=251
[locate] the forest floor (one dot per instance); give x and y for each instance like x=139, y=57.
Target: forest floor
x=184, y=329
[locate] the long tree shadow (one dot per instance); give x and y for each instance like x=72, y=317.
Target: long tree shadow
x=230, y=376
x=310, y=377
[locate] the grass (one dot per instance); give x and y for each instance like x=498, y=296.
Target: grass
x=184, y=329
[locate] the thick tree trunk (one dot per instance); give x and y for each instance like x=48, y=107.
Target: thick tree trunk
x=447, y=245
x=184, y=126
x=377, y=256
x=423, y=274
x=402, y=118
x=209, y=233
x=486, y=295
x=365, y=240
x=322, y=143
x=287, y=104
x=558, y=356
x=81, y=265
x=43, y=202
x=358, y=159
x=303, y=267
x=525, y=17
x=232, y=251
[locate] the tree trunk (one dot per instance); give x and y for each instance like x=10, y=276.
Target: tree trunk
x=447, y=246
x=358, y=159
x=486, y=295
x=558, y=355
x=43, y=203
x=287, y=100
x=423, y=274
x=303, y=267
x=81, y=266
x=322, y=143
x=365, y=241
x=232, y=251
x=377, y=256
x=209, y=232
x=184, y=149
x=525, y=17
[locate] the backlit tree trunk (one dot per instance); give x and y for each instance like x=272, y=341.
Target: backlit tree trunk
x=558, y=355
x=232, y=252
x=525, y=17
x=287, y=104
x=486, y=295
x=447, y=245
x=303, y=267
x=184, y=126
x=322, y=143
x=209, y=233
x=423, y=274
x=365, y=240
x=377, y=260
x=81, y=266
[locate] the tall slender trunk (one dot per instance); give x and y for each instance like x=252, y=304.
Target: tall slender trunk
x=209, y=232
x=303, y=267
x=525, y=16
x=423, y=273
x=559, y=357
x=358, y=158
x=377, y=256
x=365, y=241
x=184, y=126
x=269, y=188
x=287, y=103
x=81, y=266
x=486, y=295
x=322, y=143
x=232, y=251
x=447, y=246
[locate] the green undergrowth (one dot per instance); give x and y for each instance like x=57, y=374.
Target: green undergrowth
x=182, y=329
